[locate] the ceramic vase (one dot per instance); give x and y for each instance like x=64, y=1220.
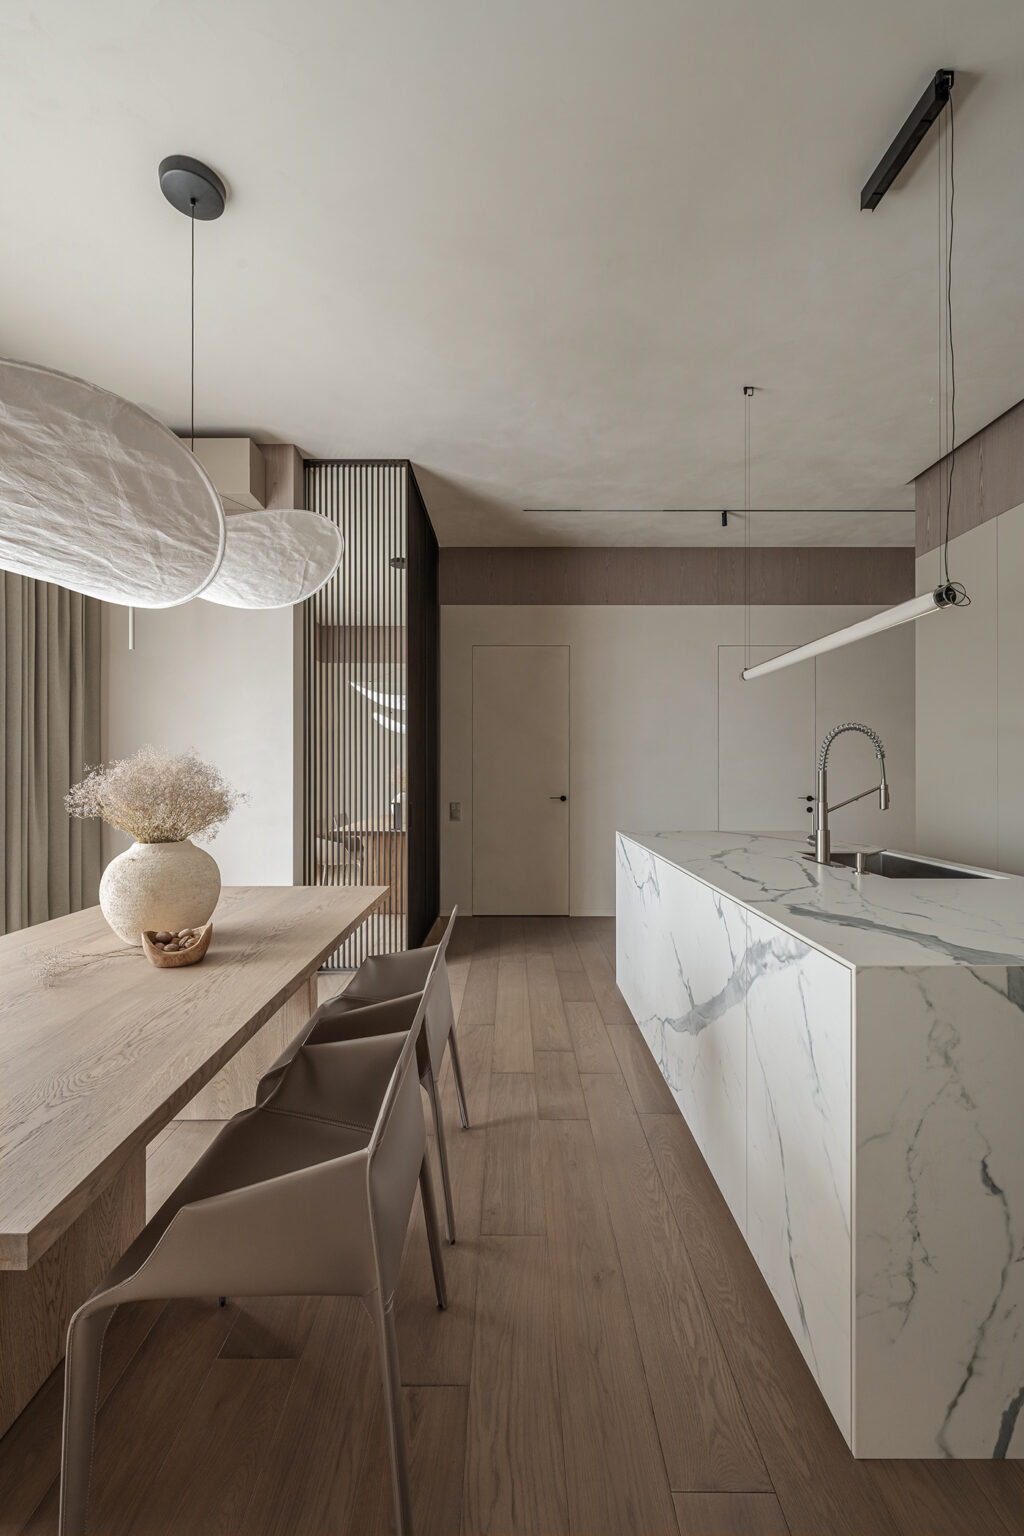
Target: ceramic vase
x=159, y=886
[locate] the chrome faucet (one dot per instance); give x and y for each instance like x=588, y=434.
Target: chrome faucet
x=820, y=833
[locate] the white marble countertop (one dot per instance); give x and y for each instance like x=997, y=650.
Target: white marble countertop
x=862, y=920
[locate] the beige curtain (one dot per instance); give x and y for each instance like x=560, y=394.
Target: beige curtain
x=50, y=717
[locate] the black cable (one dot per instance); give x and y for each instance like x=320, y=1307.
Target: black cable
x=952, y=354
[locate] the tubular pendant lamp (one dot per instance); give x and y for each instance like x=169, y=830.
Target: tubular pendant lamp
x=99, y=497
x=274, y=558
x=903, y=613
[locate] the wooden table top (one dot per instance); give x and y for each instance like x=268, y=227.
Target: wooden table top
x=99, y=1049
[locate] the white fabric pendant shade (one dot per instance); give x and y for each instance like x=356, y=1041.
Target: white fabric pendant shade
x=276, y=558
x=97, y=496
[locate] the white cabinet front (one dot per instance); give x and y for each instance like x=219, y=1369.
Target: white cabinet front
x=798, y=1146
x=681, y=969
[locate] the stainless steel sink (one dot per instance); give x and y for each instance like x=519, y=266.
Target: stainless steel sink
x=906, y=866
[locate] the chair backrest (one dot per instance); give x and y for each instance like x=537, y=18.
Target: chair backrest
x=446, y=936
x=406, y=1057
x=396, y=1150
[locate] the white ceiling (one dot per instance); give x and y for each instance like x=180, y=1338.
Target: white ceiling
x=537, y=246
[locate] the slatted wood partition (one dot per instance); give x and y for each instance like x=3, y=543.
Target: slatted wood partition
x=355, y=752
x=371, y=703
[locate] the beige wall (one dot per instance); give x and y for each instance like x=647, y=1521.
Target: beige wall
x=645, y=705
x=970, y=701
x=219, y=680
x=228, y=682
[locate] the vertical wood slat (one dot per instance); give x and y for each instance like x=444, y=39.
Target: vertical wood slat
x=355, y=766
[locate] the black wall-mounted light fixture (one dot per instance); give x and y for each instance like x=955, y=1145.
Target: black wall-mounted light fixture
x=909, y=137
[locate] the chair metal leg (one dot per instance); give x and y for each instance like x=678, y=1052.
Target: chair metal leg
x=442, y=1154
x=433, y=1233
x=81, y=1391
x=460, y=1087
x=392, y=1379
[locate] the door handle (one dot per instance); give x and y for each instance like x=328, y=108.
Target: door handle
x=558, y=797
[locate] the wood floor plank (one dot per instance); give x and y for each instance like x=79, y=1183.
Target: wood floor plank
x=706, y=1437
x=590, y=1040
x=601, y=976
x=650, y=1092
x=513, y=1198
x=143, y=1414
x=548, y=1028
x=270, y=1327
x=615, y=1474
x=1002, y=1483
x=512, y=941
x=30, y=1450
x=933, y=1497
x=564, y=951
x=458, y=977
x=818, y=1483
x=559, y=1094
x=486, y=937
x=206, y=1480
x=729, y=1514
x=513, y=1041
x=479, y=1001
x=310, y=1475
x=435, y=1420
x=462, y=945
x=536, y=936
x=575, y=987
x=437, y=1349
x=515, y=1474
x=168, y=1161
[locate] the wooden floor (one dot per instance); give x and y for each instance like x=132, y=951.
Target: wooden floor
x=611, y=1360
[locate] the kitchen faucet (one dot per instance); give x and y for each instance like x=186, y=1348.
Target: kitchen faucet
x=820, y=832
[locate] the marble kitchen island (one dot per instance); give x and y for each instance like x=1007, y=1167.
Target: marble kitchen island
x=848, y=1051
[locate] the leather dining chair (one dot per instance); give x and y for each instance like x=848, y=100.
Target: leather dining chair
x=379, y=978
x=309, y=1193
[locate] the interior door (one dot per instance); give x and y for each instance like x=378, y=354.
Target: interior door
x=521, y=778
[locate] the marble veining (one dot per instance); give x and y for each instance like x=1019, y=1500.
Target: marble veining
x=848, y=1052
x=860, y=919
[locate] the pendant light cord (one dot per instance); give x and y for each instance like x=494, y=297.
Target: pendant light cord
x=192, y=331
x=747, y=393
x=950, y=195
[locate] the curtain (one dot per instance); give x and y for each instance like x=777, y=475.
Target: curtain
x=50, y=717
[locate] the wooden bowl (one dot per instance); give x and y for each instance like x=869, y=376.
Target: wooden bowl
x=165, y=961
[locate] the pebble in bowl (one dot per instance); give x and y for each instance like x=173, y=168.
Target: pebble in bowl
x=166, y=950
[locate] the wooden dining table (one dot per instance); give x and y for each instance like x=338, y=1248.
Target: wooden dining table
x=99, y=1050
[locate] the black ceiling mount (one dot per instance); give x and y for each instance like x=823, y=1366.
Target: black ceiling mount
x=909, y=137
x=188, y=183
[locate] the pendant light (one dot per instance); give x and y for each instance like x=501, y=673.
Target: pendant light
x=947, y=594
x=99, y=497
x=274, y=558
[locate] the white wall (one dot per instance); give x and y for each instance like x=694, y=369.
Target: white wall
x=221, y=680
x=644, y=727
x=970, y=702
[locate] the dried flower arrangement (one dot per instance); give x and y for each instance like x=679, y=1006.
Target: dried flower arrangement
x=157, y=797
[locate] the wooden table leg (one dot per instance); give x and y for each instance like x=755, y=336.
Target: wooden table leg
x=36, y=1304
x=234, y=1087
